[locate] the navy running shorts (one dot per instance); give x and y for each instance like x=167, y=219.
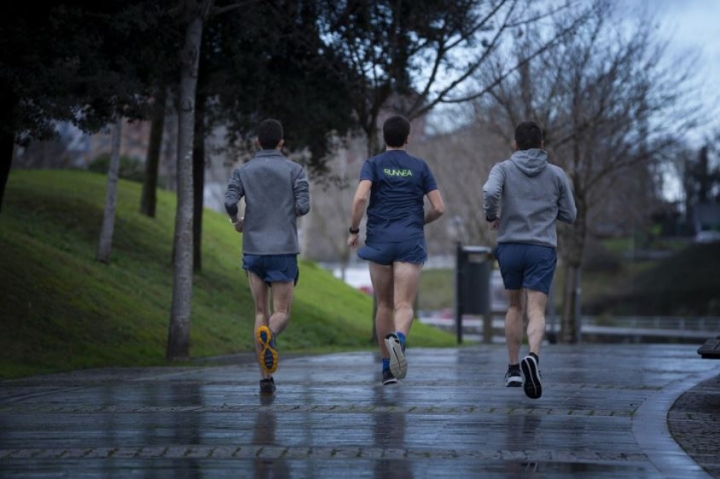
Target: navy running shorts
x=273, y=268
x=526, y=265
x=413, y=251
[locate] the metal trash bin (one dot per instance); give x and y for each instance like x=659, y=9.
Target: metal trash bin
x=473, y=267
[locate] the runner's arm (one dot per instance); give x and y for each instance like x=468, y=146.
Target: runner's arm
x=437, y=206
x=233, y=195
x=301, y=190
x=492, y=190
x=360, y=201
x=567, y=211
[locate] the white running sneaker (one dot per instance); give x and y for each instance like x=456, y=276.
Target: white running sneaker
x=398, y=363
x=513, y=377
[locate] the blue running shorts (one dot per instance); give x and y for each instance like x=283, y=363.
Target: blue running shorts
x=413, y=251
x=273, y=268
x=526, y=265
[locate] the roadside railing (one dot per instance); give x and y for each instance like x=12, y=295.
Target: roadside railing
x=598, y=328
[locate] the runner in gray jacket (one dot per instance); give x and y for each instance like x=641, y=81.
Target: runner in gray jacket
x=276, y=193
x=533, y=195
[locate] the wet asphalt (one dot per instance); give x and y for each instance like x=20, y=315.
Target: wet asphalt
x=607, y=411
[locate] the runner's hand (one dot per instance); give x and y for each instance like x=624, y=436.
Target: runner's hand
x=239, y=225
x=352, y=241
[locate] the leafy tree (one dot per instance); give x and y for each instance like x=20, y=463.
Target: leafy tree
x=81, y=62
x=269, y=60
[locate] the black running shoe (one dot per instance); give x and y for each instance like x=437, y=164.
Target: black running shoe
x=267, y=386
x=388, y=378
x=513, y=377
x=531, y=377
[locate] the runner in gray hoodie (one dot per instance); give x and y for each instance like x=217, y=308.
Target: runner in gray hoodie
x=276, y=193
x=533, y=195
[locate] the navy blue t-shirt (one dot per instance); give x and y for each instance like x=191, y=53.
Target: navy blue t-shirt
x=399, y=185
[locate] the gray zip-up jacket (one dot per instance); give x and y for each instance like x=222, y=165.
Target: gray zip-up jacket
x=533, y=194
x=276, y=192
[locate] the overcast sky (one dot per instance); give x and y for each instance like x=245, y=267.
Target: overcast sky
x=692, y=24
x=693, y=28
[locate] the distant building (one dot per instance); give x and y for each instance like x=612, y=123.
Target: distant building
x=706, y=217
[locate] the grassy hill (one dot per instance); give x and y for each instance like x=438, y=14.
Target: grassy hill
x=62, y=310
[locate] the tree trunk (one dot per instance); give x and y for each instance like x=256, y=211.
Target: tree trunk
x=152, y=162
x=7, y=148
x=569, y=331
x=575, y=244
x=178, y=346
x=7, y=140
x=108, y=224
x=198, y=181
x=374, y=142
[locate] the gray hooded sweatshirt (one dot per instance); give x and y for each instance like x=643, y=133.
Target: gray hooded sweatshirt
x=533, y=194
x=276, y=193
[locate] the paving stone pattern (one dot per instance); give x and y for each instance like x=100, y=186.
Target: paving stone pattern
x=694, y=422
x=604, y=414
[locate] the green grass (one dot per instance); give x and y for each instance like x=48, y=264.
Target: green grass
x=436, y=290
x=617, y=245
x=62, y=310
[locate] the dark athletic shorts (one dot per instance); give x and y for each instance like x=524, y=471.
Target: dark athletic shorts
x=526, y=265
x=273, y=268
x=413, y=251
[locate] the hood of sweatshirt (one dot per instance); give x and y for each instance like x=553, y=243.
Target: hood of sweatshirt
x=531, y=162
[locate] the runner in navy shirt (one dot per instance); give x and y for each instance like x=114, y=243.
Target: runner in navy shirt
x=399, y=184
x=393, y=186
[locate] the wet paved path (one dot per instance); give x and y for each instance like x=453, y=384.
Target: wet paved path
x=603, y=414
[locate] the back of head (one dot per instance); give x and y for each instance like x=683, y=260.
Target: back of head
x=396, y=131
x=528, y=134
x=270, y=132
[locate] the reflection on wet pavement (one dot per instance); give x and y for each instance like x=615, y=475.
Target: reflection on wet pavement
x=264, y=435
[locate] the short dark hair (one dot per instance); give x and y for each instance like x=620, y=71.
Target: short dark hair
x=528, y=134
x=396, y=130
x=270, y=132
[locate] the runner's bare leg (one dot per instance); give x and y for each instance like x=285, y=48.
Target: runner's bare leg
x=382, y=281
x=536, y=319
x=514, y=324
x=406, y=279
x=260, y=294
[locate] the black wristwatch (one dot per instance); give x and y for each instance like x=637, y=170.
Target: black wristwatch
x=354, y=231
